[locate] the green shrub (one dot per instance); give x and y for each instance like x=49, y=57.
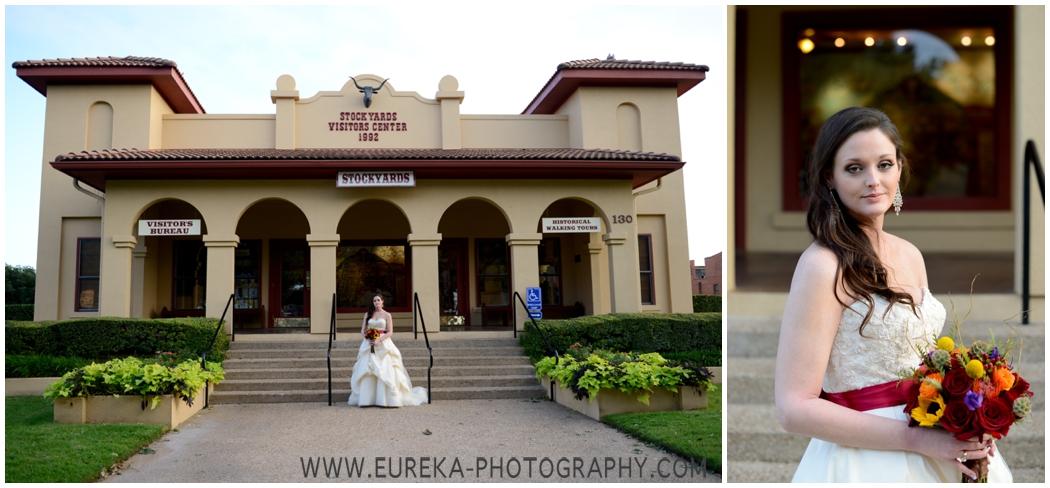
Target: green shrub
x=111, y=337
x=37, y=366
x=639, y=332
x=706, y=357
x=707, y=303
x=633, y=374
x=19, y=312
x=132, y=376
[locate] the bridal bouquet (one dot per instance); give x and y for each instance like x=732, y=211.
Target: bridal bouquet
x=372, y=334
x=968, y=391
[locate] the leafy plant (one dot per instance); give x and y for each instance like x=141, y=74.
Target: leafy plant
x=131, y=376
x=634, y=374
x=707, y=303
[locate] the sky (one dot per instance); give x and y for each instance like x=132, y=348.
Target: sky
x=501, y=55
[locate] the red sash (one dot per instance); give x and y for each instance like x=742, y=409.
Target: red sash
x=887, y=394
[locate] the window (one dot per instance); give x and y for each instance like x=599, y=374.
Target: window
x=645, y=265
x=493, y=272
x=716, y=288
x=366, y=268
x=191, y=274
x=701, y=273
x=89, y=256
x=943, y=75
x=550, y=270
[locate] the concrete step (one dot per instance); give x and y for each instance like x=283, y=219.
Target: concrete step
x=340, y=396
x=353, y=341
x=345, y=372
x=345, y=362
x=346, y=352
x=344, y=380
x=755, y=435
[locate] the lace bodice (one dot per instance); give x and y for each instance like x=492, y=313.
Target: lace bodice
x=889, y=345
x=379, y=324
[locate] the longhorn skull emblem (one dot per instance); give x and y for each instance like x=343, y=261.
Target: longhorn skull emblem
x=368, y=90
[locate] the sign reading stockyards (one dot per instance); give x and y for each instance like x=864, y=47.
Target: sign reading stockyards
x=572, y=224
x=169, y=227
x=375, y=178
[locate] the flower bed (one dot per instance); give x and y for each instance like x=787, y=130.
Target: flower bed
x=606, y=383
x=120, y=391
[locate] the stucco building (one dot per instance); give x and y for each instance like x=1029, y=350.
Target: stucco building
x=152, y=207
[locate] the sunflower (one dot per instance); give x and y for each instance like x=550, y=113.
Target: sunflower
x=929, y=411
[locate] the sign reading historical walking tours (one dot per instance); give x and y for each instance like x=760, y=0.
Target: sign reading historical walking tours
x=170, y=227
x=572, y=224
x=356, y=179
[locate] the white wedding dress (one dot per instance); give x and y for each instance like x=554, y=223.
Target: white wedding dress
x=857, y=362
x=380, y=378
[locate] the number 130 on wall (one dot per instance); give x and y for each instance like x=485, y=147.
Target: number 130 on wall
x=622, y=219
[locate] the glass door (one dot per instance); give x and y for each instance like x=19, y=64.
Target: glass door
x=453, y=282
x=289, y=283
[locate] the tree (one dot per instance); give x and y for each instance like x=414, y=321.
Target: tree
x=19, y=284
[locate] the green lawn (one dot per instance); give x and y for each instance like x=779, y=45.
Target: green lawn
x=695, y=434
x=38, y=450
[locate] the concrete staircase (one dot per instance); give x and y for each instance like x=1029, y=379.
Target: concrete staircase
x=296, y=371
x=759, y=450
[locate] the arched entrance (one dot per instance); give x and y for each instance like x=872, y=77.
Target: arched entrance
x=571, y=278
x=373, y=256
x=272, y=267
x=474, y=273
x=169, y=271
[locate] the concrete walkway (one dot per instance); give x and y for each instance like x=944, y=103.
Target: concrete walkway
x=468, y=441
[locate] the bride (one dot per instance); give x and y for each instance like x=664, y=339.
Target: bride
x=379, y=376
x=858, y=305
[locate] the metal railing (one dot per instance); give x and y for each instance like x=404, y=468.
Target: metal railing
x=417, y=310
x=514, y=317
x=204, y=353
x=1031, y=159
x=331, y=337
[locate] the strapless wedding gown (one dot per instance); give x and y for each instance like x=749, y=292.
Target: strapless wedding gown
x=857, y=362
x=380, y=378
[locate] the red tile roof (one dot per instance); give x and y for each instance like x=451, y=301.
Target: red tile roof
x=626, y=64
x=163, y=74
x=571, y=75
x=360, y=154
x=96, y=167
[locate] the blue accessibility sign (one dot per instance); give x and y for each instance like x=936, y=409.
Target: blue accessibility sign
x=535, y=314
x=533, y=299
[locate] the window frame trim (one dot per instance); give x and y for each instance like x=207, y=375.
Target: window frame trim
x=1000, y=17
x=652, y=272
x=76, y=271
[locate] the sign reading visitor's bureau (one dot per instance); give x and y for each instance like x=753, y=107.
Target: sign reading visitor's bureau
x=375, y=178
x=572, y=224
x=169, y=227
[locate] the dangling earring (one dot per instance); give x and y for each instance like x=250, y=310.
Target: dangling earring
x=898, y=200
x=836, y=212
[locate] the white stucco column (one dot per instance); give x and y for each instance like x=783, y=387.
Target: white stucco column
x=138, y=279
x=524, y=269
x=115, y=288
x=425, y=278
x=322, y=280
x=594, y=250
x=624, y=287
x=221, y=252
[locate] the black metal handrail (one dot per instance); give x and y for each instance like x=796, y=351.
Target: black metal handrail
x=331, y=337
x=417, y=310
x=1031, y=159
x=204, y=353
x=514, y=317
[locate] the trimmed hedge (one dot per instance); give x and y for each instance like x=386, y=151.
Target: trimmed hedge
x=19, y=312
x=38, y=366
x=112, y=337
x=706, y=357
x=637, y=332
x=707, y=303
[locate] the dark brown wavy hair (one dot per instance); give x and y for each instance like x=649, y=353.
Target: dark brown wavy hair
x=372, y=306
x=832, y=226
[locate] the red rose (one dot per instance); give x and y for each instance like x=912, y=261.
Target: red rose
x=960, y=420
x=1019, y=389
x=996, y=416
x=913, y=400
x=957, y=383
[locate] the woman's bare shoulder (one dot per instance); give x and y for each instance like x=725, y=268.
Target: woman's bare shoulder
x=907, y=251
x=819, y=261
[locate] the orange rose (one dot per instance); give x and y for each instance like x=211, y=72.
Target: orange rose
x=931, y=386
x=1002, y=379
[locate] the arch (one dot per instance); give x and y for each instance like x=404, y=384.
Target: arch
x=628, y=127
x=257, y=220
x=479, y=208
x=99, y=134
x=394, y=218
x=597, y=211
x=373, y=256
x=168, y=208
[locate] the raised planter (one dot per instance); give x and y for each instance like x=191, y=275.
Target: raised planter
x=125, y=409
x=609, y=401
